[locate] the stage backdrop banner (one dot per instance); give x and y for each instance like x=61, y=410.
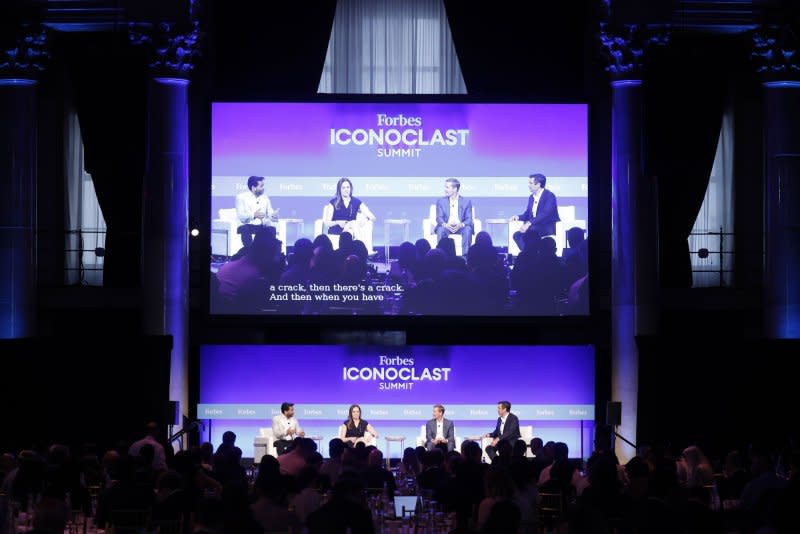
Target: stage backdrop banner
x=397, y=383
x=398, y=139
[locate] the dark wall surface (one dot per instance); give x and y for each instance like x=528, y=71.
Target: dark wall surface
x=75, y=391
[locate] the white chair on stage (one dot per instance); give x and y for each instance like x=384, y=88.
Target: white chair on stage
x=264, y=444
x=513, y=227
x=225, y=238
x=369, y=439
x=568, y=220
x=365, y=233
x=422, y=438
x=429, y=230
x=567, y=216
x=577, y=223
x=526, y=435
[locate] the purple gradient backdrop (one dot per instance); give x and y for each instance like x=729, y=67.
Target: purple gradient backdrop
x=283, y=139
x=479, y=375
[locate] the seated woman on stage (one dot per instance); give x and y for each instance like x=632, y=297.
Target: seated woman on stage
x=346, y=213
x=356, y=429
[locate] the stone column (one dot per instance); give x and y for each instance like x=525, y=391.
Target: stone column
x=634, y=224
x=777, y=55
x=165, y=208
x=18, y=74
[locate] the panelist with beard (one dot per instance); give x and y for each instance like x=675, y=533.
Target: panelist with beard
x=254, y=210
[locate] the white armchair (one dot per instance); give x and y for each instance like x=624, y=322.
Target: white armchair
x=264, y=444
x=227, y=241
x=429, y=230
x=513, y=227
x=320, y=228
x=526, y=435
x=365, y=233
x=422, y=438
x=577, y=223
x=567, y=216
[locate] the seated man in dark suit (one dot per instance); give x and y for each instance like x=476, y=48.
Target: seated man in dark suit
x=454, y=215
x=507, y=428
x=541, y=214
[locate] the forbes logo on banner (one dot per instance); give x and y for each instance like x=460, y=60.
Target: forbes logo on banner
x=399, y=136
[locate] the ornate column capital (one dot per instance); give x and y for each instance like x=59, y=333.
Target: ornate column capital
x=624, y=44
x=28, y=57
x=775, y=53
x=172, y=50
x=173, y=47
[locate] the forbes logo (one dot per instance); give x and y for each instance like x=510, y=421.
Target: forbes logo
x=290, y=187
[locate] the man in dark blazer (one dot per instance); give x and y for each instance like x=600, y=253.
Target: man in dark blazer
x=507, y=428
x=439, y=430
x=454, y=215
x=541, y=214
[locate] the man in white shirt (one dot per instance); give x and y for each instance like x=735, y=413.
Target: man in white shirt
x=454, y=215
x=159, y=457
x=439, y=430
x=285, y=428
x=254, y=210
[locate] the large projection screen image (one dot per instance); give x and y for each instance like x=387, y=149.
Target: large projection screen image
x=391, y=208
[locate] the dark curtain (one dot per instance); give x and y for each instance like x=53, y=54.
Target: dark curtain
x=268, y=49
x=748, y=174
x=685, y=95
x=518, y=49
x=109, y=83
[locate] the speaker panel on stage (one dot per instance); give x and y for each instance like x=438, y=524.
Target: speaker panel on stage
x=396, y=388
x=172, y=413
x=613, y=413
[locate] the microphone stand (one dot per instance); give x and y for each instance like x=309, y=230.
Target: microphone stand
x=194, y=425
x=623, y=438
